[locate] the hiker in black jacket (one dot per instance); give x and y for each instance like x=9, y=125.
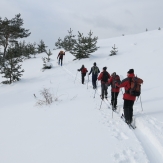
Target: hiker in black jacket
x=95, y=71
x=104, y=77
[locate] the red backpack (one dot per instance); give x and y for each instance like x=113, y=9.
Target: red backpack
x=115, y=79
x=84, y=70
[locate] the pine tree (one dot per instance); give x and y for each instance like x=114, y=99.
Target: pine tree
x=58, y=44
x=48, y=54
x=114, y=51
x=159, y=28
x=84, y=46
x=68, y=41
x=32, y=49
x=11, y=30
x=41, y=47
x=46, y=60
x=79, y=48
x=11, y=68
x=91, y=44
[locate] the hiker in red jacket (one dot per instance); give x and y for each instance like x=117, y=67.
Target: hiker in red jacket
x=104, y=76
x=128, y=99
x=60, y=56
x=114, y=89
x=83, y=72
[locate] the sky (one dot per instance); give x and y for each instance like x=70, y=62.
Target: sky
x=48, y=20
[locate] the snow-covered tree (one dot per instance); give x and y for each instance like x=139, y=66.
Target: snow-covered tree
x=114, y=51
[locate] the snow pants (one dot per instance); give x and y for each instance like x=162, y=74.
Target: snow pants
x=114, y=96
x=60, y=61
x=104, y=88
x=128, y=110
x=94, y=79
x=82, y=77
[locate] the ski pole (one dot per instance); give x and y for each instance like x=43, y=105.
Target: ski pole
x=95, y=93
x=100, y=104
x=87, y=81
x=141, y=103
x=75, y=76
x=121, y=91
x=112, y=113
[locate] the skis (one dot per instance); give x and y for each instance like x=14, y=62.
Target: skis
x=131, y=125
x=102, y=99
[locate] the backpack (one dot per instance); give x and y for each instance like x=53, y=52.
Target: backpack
x=95, y=70
x=84, y=70
x=115, y=79
x=61, y=54
x=105, y=76
x=135, y=84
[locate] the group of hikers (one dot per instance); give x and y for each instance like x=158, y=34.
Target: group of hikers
x=131, y=84
x=114, y=81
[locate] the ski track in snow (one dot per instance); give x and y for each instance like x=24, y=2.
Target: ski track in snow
x=147, y=138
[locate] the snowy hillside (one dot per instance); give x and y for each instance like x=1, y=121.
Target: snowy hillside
x=74, y=129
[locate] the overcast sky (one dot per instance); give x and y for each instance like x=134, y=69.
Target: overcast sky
x=50, y=19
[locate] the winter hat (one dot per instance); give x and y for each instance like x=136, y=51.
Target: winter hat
x=104, y=68
x=94, y=64
x=113, y=74
x=131, y=71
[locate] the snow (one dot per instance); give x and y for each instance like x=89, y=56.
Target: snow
x=74, y=129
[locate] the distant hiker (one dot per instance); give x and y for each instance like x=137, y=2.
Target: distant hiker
x=83, y=72
x=95, y=71
x=60, y=56
x=128, y=98
x=114, y=89
x=104, y=76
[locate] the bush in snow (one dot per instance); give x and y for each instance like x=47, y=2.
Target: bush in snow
x=47, y=97
x=114, y=51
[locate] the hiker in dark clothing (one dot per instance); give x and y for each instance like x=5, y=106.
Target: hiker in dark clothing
x=114, y=89
x=95, y=71
x=104, y=77
x=83, y=72
x=60, y=56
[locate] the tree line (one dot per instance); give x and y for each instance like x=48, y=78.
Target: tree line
x=14, y=51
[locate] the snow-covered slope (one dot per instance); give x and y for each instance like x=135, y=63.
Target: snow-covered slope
x=74, y=128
